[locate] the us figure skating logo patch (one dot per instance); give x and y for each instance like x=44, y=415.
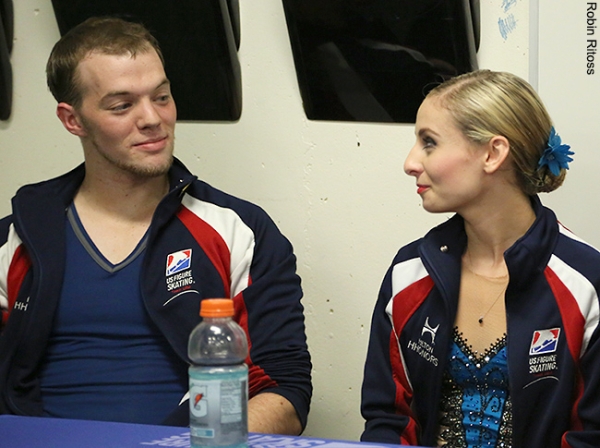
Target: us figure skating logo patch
x=544, y=341
x=178, y=276
x=179, y=261
x=542, y=357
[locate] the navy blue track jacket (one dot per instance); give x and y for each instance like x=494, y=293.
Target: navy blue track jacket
x=553, y=346
x=202, y=243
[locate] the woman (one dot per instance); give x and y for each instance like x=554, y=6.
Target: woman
x=485, y=332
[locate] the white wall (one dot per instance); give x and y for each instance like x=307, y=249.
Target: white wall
x=337, y=190
x=571, y=90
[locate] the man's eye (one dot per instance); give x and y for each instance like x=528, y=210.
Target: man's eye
x=120, y=107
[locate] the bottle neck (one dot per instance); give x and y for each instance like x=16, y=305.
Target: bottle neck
x=217, y=319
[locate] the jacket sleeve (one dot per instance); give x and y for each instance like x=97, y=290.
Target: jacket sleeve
x=577, y=291
x=14, y=264
x=386, y=390
x=586, y=418
x=271, y=310
x=4, y=264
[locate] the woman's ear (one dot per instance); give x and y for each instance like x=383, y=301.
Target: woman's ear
x=70, y=119
x=497, y=151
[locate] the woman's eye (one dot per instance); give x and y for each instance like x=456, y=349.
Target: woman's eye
x=428, y=142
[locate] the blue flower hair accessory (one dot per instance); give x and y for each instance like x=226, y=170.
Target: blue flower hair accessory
x=556, y=155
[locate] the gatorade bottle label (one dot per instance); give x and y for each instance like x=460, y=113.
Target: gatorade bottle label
x=217, y=405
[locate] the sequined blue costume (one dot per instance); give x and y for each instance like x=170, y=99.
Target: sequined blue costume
x=475, y=405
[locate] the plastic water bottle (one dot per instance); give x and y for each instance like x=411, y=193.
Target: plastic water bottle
x=218, y=378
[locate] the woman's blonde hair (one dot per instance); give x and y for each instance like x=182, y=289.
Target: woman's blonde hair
x=485, y=104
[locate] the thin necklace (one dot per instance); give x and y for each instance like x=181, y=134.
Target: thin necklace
x=482, y=316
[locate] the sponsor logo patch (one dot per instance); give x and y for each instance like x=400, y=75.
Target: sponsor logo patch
x=423, y=348
x=429, y=329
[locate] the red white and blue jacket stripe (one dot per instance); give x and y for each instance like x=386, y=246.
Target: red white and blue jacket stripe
x=552, y=297
x=226, y=247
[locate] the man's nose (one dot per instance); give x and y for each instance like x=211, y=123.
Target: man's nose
x=148, y=115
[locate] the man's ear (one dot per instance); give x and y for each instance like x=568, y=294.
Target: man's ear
x=69, y=117
x=497, y=151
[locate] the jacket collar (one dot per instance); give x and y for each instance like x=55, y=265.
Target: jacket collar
x=64, y=187
x=530, y=254
x=442, y=248
x=47, y=201
x=179, y=176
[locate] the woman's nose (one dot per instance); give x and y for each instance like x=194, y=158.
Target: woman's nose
x=412, y=164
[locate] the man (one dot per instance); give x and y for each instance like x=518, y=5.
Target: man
x=102, y=270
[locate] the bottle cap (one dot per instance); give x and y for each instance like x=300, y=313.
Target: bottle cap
x=216, y=308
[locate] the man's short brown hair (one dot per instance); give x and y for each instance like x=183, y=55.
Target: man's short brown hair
x=103, y=35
